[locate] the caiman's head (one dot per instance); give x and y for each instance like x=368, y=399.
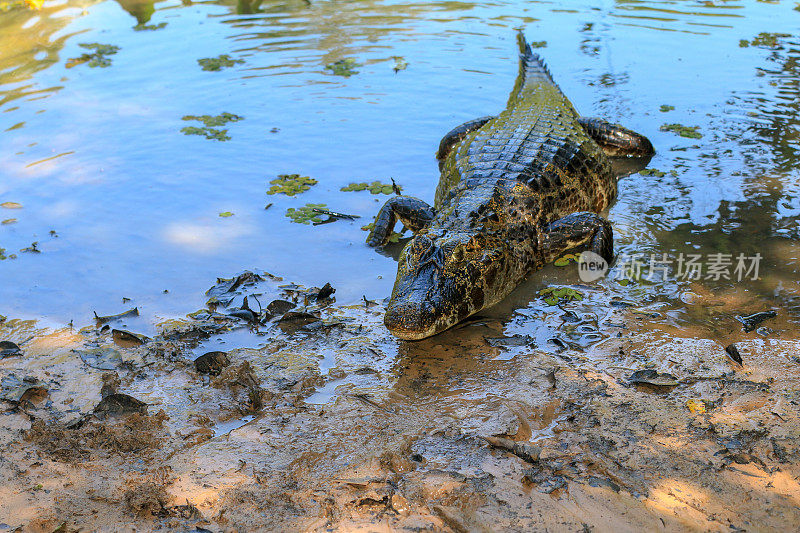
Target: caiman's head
x=442, y=280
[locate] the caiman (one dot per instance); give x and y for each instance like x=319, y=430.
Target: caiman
x=516, y=191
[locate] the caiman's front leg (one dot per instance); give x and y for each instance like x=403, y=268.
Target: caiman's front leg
x=577, y=229
x=412, y=212
x=616, y=140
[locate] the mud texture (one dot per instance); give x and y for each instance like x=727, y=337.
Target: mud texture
x=328, y=423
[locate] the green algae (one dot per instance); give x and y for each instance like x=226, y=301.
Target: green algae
x=538, y=44
x=306, y=214
x=665, y=108
x=343, y=67
x=376, y=187
x=214, y=64
x=689, y=132
x=211, y=123
x=291, y=184
x=94, y=59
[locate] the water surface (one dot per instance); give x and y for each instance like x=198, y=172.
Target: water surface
x=121, y=204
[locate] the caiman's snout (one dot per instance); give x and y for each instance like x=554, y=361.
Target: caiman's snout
x=411, y=320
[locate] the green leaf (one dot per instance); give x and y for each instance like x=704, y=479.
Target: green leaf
x=226, y=214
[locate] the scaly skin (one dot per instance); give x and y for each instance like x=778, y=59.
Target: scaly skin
x=516, y=190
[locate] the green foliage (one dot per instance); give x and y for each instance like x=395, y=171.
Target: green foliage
x=305, y=214
x=665, y=108
x=291, y=184
x=343, y=67
x=95, y=59
x=226, y=214
x=376, y=187
x=214, y=64
x=684, y=131
x=538, y=44
x=210, y=122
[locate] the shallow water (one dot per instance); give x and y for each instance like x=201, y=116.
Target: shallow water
x=96, y=155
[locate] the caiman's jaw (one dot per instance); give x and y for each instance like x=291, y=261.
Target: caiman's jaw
x=441, y=280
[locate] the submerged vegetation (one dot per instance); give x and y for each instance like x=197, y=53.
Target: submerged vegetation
x=97, y=58
x=211, y=123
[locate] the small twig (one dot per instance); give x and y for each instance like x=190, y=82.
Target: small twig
x=334, y=214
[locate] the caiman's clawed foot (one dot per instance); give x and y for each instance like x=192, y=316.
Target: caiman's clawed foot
x=616, y=140
x=412, y=212
x=577, y=229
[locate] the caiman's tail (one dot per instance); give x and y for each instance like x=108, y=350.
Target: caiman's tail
x=531, y=67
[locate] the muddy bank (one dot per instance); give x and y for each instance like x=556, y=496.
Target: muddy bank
x=309, y=416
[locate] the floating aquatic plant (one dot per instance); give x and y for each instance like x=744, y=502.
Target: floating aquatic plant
x=214, y=64
x=376, y=187
x=95, y=59
x=556, y=295
x=211, y=122
x=684, y=131
x=343, y=67
x=399, y=63
x=306, y=213
x=290, y=184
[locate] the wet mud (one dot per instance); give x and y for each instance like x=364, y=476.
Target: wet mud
x=328, y=423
